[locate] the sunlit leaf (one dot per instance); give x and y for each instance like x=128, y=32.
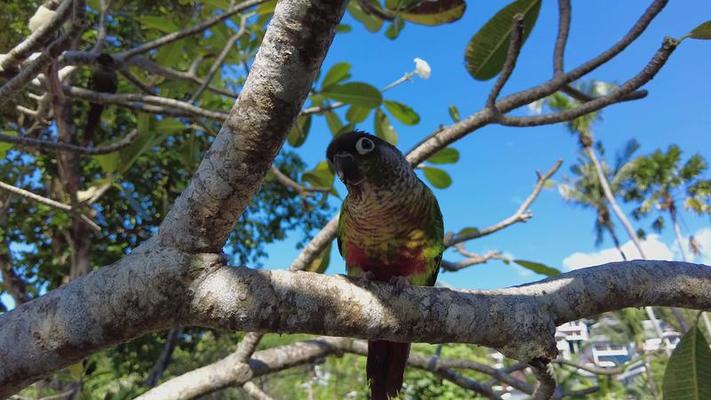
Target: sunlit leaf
x=334, y=122
x=448, y=155
x=688, y=372
x=338, y=72
x=357, y=114
x=299, y=131
x=371, y=23
x=434, y=12
x=437, y=177
x=538, y=268
x=702, y=31
x=320, y=263
x=402, y=112
x=486, y=51
x=355, y=93
x=383, y=128
x=454, y=113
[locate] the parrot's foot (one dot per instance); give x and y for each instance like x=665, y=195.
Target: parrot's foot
x=400, y=282
x=367, y=276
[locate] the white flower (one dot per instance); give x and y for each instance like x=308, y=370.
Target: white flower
x=422, y=68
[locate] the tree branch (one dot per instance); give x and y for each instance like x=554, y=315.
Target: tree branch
x=175, y=36
x=243, y=151
x=521, y=215
x=255, y=392
x=68, y=147
x=290, y=183
x=49, y=202
x=562, y=38
x=166, y=288
x=510, y=62
x=37, y=39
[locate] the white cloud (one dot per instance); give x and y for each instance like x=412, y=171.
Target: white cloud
x=652, y=246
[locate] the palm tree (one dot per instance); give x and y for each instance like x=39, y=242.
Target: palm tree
x=661, y=182
x=582, y=127
x=586, y=191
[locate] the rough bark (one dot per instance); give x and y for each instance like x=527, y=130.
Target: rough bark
x=232, y=170
x=154, y=289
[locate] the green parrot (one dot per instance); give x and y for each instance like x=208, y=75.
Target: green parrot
x=390, y=229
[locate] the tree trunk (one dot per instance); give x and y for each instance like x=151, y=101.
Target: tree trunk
x=587, y=147
x=616, y=240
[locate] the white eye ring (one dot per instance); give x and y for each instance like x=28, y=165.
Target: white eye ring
x=364, y=146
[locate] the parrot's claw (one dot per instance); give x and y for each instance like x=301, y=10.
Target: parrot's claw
x=367, y=276
x=400, y=282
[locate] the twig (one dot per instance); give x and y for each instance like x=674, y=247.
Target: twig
x=470, y=260
x=171, y=342
x=49, y=202
x=71, y=148
x=616, y=95
x=136, y=82
x=510, y=62
x=140, y=101
x=175, y=36
x=220, y=59
x=101, y=33
x=522, y=214
x=290, y=183
x=562, y=38
x=255, y=392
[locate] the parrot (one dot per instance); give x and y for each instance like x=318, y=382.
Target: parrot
x=390, y=229
x=104, y=80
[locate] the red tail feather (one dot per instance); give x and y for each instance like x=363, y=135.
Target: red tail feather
x=385, y=368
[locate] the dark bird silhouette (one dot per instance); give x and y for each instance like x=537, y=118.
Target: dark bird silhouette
x=104, y=80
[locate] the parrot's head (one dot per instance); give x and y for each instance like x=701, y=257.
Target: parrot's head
x=362, y=161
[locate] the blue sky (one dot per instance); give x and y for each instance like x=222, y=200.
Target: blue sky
x=496, y=171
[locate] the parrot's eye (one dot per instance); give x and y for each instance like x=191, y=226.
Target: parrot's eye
x=364, y=146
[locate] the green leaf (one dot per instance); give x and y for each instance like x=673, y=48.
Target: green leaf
x=434, y=12
x=688, y=372
x=402, y=112
x=702, y=31
x=437, y=177
x=383, y=128
x=371, y=23
x=299, y=131
x=538, y=268
x=394, y=29
x=334, y=122
x=454, y=113
x=468, y=232
x=4, y=147
x=357, y=114
x=338, y=72
x=320, y=176
x=162, y=24
x=343, y=28
x=355, y=93
x=486, y=51
x=320, y=263
x=448, y=155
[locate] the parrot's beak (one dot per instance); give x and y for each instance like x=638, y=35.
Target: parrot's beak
x=346, y=168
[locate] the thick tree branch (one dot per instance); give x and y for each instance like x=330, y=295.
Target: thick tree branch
x=231, y=172
x=155, y=289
